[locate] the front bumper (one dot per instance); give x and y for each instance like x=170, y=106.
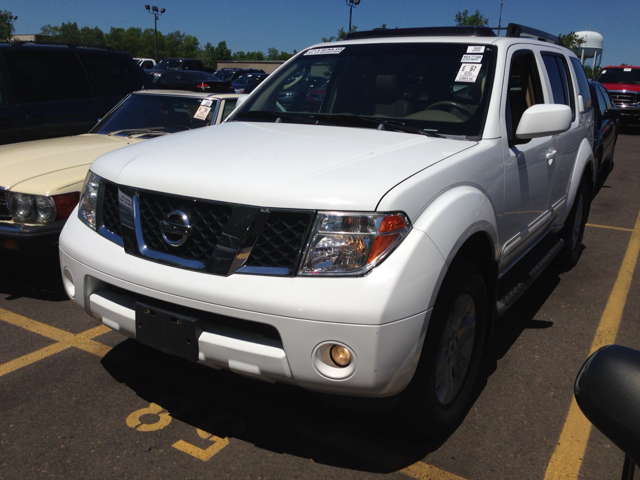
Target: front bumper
x=382, y=317
x=29, y=238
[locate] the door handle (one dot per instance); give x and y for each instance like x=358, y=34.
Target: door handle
x=550, y=156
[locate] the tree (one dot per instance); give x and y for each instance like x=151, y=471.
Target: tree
x=571, y=41
x=6, y=26
x=341, y=34
x=476, y=20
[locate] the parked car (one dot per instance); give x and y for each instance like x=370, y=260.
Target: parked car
x=364, y=250
x=182, y=64
x=605, y=126
x=192, y=81
x=247, y=82
x=145, y=62
x=40, y=180
x=294, y=92
x=51, y=91
x=623, y=85
x=230, y=74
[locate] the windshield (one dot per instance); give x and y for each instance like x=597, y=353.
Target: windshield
x=168, y=64
x=620, y=75
x=427, y=88
x=157, y=114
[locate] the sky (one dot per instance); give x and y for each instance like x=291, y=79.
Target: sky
x=257, y=25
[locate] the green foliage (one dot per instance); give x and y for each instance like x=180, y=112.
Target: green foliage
x=591, y=73
x=476, y=20
x=141, y=43
x=571, y=41
x=341, y=34
x=6, y=27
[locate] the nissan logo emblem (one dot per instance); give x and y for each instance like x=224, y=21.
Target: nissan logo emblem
x=175, y=228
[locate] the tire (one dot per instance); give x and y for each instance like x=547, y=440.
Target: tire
x=448, y=368
x=573, y=229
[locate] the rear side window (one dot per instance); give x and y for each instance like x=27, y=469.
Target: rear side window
x=40, y=76
x=583, y=84
x=110, y=75
x=560, y=80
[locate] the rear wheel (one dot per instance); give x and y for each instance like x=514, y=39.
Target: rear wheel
x=573, y=229
x=443, y=384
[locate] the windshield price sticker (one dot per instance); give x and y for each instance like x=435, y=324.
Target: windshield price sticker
x=125, y=204
x=468, y=73
x=325, y=51
x=206, y=103
x=202, y=112
x=627, y=69
x=475, y=49
x=472, y=58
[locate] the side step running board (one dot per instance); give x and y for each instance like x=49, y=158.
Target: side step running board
x=519, y=278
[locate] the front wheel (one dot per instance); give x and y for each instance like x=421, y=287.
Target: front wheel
x=444, y=380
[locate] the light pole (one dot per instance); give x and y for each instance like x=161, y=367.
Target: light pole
x=153, y=10
x=351, y=4
x=9, y=19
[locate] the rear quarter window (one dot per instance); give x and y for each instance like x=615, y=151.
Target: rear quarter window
x=583, y=84
x=110, y=75
x=40, y=76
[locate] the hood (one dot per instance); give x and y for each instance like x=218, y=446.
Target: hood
x=279, y=165
x=629, y=87
x=31, y=167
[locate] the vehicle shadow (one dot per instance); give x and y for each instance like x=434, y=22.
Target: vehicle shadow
x=31, y=276
x=287, y=419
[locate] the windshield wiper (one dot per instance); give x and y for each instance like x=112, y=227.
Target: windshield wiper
x=138, y=131
x=275, y=116
x=380, y=124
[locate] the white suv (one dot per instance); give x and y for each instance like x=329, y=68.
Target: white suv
x=354, y=235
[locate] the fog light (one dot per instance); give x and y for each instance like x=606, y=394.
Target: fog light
x=67, y=280
x=340, y=355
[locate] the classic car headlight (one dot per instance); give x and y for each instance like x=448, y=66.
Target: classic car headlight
x=89, y=199
x=352, y=243
x=26, y=208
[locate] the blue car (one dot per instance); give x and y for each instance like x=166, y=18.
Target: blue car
x=247, y=82
x=605, y=128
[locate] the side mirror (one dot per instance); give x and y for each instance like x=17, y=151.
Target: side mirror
x=580, y=104
x=611, y=114
x=543, y=120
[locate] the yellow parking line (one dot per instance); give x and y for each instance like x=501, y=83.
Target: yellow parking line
x=621, y=229
x=63, y=339
x=567, y=458
x=424, y=471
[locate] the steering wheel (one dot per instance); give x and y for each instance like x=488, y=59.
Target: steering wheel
x=451, y=106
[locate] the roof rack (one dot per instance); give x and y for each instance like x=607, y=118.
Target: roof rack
x=515, y=30
x=423, y=32
x=19, y=43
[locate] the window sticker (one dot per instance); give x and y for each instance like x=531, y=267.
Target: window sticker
x=202, y=112
x=471, y=58
x=468, y=73
x=604, y=71
x=475, y=49
x=206, y=103
x=627, y=69
x=325, y=51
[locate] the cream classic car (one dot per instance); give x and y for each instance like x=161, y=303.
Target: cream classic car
x=40, y=181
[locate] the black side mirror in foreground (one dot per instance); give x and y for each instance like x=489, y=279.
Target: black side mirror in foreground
x=607, y=390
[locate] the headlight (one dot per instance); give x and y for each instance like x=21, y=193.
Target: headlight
x=26, y=208
x=352, y=243
x=89, y=199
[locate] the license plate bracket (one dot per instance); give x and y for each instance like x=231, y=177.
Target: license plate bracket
x=169, y=331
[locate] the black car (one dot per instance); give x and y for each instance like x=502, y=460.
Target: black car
x=230, y=74
x=247, y=82
x=55, y=90
x=605, y=126
x=192, y=81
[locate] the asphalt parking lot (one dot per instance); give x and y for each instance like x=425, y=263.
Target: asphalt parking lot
x=80, y=401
